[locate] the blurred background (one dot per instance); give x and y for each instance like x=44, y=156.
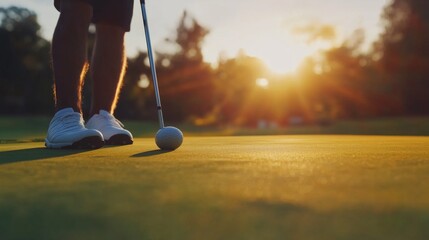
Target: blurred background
x=246, y=67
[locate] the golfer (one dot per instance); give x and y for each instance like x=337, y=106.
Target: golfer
x=112, y=20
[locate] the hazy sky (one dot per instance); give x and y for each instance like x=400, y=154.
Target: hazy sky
x=261, y=28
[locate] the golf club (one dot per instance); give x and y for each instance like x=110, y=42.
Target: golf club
x=167, y=138
x=152, y=65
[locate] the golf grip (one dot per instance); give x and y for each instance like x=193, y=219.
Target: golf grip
x=152, y=65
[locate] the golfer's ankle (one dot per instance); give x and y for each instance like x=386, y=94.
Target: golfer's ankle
x=96, y=110
x=76, y=108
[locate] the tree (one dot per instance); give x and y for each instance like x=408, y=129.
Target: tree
x=236, y=91
x=24, y=63
x=185, y=80
x=137, y=101
x=341, y=84
x=403, y=54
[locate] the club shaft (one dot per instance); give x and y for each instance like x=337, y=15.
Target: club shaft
x=152, y=65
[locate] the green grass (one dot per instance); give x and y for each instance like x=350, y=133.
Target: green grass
x=23, y=128
x=260, y=187
x=33, y=128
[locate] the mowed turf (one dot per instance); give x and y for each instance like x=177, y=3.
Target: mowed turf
x=261, y=187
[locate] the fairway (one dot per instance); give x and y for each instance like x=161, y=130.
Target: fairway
x=242, y=187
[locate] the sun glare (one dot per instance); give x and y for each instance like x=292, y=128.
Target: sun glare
x=282, y=59
x=283, y=55
x=262, y=82
x=281, y=52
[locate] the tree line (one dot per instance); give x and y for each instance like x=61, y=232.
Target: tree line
x=343, y=82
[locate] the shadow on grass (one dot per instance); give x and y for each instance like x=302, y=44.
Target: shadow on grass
x=32, y=154
x=151, y=153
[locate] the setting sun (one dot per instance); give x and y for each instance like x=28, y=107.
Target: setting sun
x=279, y=57
x=281, y=49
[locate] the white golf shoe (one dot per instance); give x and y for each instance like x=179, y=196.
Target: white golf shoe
x=67, y=130
x=112, y=129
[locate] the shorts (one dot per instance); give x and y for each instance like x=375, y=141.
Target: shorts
x=113, y=12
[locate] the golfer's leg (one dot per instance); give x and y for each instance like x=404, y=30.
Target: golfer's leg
x=107, y=67
x=69, y=52
x=66, y=130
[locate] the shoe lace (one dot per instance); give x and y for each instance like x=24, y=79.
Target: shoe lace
x=111, y=120
x=72, y=120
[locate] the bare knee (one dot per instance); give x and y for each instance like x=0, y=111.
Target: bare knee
x=109, y=32
x=75, y=16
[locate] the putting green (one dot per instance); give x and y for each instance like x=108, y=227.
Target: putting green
x=262, y=187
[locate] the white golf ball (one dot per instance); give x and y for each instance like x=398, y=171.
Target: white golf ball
x=169, y=138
